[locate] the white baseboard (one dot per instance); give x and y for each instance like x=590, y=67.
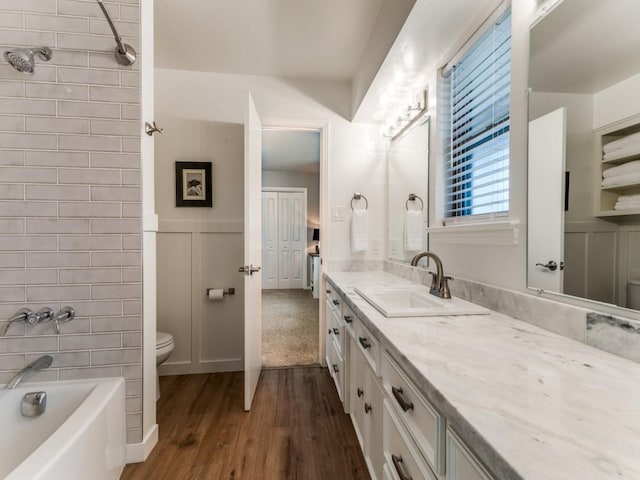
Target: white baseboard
x=213, y=366
x=138, y=452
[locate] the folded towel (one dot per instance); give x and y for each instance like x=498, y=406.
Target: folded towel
x=621, y=142
x=359, y=231
x=626, y=151
x=629, y=167
x=627, y=206
x=621, y=180
x=629, y=198
x=413, y=225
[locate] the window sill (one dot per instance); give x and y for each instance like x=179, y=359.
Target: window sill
x=504, y=232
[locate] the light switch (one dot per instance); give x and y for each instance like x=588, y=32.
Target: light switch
x=338, y=213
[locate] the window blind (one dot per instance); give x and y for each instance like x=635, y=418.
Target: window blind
x=477, y=154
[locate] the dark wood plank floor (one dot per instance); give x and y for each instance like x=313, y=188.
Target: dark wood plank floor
x=295, y=430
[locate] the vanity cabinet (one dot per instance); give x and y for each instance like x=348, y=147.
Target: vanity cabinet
x=401, y=434
x=608, y=195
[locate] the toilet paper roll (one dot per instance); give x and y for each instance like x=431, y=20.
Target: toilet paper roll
x=215, y=294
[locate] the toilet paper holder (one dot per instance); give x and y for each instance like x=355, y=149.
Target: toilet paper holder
x=228, y=291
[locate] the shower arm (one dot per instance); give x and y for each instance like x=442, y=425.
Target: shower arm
x=125, y=54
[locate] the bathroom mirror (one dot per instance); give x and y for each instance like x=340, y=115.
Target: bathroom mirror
x=584, y=78
x=408, y=183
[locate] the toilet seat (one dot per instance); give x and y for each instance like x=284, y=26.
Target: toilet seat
x=163, y=340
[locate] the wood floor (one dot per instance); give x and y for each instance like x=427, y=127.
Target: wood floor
x=295, y=430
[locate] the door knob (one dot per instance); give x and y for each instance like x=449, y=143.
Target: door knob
x=248, y=269
x=550, y=265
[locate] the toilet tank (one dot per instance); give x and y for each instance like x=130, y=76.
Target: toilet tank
x=633, y=294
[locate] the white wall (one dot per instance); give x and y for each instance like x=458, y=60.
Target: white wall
x=200, y=248
x=356, y=152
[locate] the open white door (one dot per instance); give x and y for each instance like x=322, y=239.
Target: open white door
x=545, y=258
x=252, y=251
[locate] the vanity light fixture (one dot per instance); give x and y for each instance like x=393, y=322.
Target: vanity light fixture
x=406, y=119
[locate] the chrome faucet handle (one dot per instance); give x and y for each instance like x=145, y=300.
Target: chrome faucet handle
x=20, y=316
x=446, y=293
x=44, y=315
x=66, y=314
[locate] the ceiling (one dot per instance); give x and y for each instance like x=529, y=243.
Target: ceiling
x=291, y=150
x=584, y=46
x=321, y=40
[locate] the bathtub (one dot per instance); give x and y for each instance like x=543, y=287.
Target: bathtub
x=81, y=435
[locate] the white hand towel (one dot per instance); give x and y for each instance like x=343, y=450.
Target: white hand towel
x=621, y=180
x=629, y=167
x=359, y=231
x=413, y=224
x=621, y=142
x=626, y=151
x=629, y=198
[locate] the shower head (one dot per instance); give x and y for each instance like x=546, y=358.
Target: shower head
x=22, y=58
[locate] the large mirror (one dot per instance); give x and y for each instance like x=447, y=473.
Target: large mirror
x=408, y=181
x=584, y=159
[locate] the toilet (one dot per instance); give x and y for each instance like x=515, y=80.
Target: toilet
x=633, y=294
x=164, y=347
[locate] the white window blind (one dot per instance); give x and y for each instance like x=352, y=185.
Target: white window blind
x=477, y=154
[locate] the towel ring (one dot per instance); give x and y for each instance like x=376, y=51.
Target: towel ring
x=412, y=198
x=359, y=196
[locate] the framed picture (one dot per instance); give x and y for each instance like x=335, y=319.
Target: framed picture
x=194, y=186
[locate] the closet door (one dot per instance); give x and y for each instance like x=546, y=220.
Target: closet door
x=269, y=240
x=291, y=241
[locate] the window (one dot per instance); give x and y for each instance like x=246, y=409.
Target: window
x=477, y=150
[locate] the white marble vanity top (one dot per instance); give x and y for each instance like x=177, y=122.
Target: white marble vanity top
x=531, y=404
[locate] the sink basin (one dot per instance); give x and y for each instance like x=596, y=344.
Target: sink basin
x=412, y=302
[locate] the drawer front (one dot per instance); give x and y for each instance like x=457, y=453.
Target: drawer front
x=338, y=333
x=402, y=460
x=461, y=463
x=357, y=366
x=422, y=421
x=336, y=368
x=333, y=298
x=368, y=345
x=349, y=318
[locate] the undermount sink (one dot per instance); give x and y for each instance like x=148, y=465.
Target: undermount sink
x=413, y=302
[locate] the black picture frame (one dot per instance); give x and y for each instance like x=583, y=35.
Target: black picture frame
x=190, y=191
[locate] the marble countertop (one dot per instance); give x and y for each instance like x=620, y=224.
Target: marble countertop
x=531, y=404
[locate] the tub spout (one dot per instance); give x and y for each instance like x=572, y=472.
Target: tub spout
x=44, y=361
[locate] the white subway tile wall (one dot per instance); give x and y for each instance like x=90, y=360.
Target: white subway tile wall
x=70, y=197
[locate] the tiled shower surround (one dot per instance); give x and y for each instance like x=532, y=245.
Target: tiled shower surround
x=70, y=197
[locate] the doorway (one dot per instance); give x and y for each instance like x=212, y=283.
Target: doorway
x=290, y=234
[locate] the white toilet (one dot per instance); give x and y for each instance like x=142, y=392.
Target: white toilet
x=633, y=294
x=164, y=347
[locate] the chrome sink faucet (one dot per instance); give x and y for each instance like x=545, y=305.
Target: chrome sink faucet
x=44, y=361
x=440, y=282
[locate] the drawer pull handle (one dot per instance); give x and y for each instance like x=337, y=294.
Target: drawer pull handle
x=336, y=302
x=364, y=342
x=399, y=394
x=329, y=332
x=335, y=368
x=336, y=331
x=348, y=319
x=397, y=462
x=328, y=291
x=367, y=407
x=360, y=392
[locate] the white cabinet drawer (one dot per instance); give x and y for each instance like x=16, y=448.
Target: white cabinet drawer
x=336, y=330
x=368, y=345
x=461, y=463
x=422, y=421
x=333, y=298
x=403, y=462
x=336, y=368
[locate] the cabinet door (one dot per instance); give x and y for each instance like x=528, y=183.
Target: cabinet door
x=357, y=367
x=291, y=239
x=374, y=398
x=461, y=464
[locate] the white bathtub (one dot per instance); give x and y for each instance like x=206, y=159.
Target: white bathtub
x=81, y=435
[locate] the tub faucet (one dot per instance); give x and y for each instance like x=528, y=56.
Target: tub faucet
x=39, y=364
x=440, y=282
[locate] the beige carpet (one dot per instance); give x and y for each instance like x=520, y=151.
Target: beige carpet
x=289, y=328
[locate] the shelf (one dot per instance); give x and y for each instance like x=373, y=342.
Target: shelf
x=618, y=213
x=635, y=156
x=622, y=188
